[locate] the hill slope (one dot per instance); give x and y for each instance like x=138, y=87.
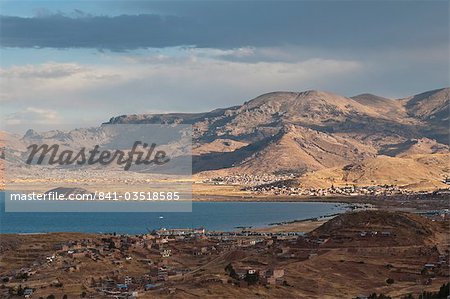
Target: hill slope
x=403, y=228
x=414, y=172
x=432, y=108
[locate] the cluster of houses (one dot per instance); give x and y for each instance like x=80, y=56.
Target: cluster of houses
x=129, y=287
x=433, y=269
x=180, y=232
x=365, y=234
x=282, y=185
x=160, y=274
x=160, y=245
x=246, y=276
x=248, y=179
x=116, y=246
x=349, y=190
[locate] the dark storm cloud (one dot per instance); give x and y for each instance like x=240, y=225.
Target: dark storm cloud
x=231, y=24
x=116, y=33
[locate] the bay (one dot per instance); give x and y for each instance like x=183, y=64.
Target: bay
x=224, y=216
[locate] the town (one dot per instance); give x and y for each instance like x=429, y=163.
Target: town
x=286, y=186
x=175, y=261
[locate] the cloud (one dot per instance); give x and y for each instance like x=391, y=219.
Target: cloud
x=32, y=115
x=189, y=79
x=200, y=55
x=190, y=83
x=41, y=83
x=44, y=71
x=237, y=24
x=102, y=32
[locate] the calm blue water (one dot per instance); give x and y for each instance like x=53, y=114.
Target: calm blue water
x=211, y=215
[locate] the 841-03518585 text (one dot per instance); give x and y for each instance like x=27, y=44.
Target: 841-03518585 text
x=149, y=195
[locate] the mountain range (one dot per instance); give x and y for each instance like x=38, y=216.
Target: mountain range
x=320, y=137
x=321, y=133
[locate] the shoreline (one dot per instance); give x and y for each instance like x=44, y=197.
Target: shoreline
x=415, y=205
x=342, y=207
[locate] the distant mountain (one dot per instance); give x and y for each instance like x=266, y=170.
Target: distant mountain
x=267, y=114
x=365, y=139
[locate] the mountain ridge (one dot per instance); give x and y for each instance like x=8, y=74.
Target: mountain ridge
x=310, y=132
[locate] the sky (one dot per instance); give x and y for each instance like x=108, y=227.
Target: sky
x=83, y=62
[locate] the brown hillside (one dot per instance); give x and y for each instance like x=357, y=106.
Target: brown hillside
x=418, y=172
x=414, y=147
x=382, y=105
x=431, y=107
x=299, y=149
x=430, y=104
x=404, y=228
x=218, y=146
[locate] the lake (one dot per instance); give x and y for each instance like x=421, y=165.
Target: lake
x=224, y=216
